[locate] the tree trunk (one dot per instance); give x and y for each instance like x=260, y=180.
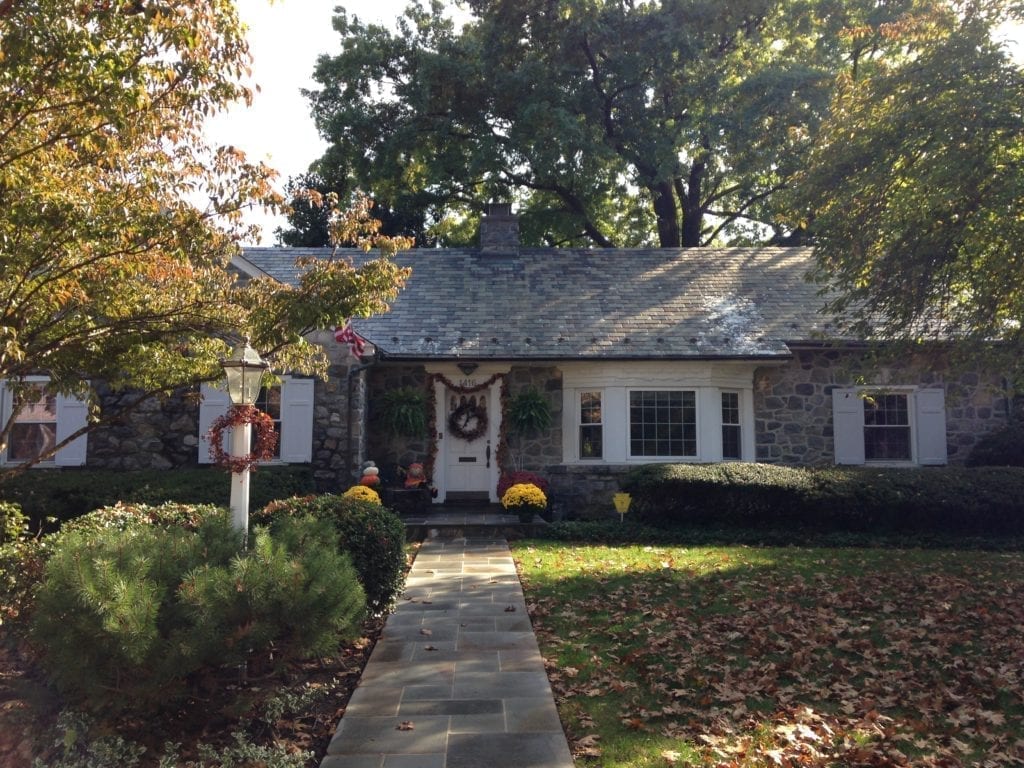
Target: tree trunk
x=689, y=201
x=668, y=218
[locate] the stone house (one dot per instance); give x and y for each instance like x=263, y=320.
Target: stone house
x=699, y=355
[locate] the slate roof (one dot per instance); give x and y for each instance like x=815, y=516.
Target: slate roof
x=707, y=303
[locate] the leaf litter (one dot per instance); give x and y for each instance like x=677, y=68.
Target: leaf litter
x=756, y=658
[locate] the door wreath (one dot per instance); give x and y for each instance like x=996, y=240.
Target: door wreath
x=468, y=421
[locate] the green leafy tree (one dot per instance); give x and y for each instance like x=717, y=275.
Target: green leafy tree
x=309, y=221
x=109, y=269
x=913, y=192
x=611, y=123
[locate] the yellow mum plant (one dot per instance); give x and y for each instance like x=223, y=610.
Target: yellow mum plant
x=525, y=499
x=362, y=493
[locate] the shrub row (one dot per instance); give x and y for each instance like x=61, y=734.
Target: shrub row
x=982, y=501
x=1001, y=448
x=69, y=493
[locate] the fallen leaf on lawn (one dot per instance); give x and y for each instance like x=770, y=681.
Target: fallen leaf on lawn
x=671, y=756
x=587, y=746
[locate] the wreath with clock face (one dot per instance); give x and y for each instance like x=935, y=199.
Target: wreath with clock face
x=468, y=421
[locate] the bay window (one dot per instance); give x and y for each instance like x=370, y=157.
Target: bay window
x=650, y=411
x=662, y=423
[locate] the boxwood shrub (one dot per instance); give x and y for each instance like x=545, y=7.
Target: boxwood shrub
x=373, y=535
x=1002, y=448
x=967, y=501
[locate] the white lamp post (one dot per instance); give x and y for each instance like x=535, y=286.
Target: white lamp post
x=244, y=371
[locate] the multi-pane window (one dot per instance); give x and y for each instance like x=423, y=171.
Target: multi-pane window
x=269, y=401
x=34, y=431
x=663, y=423
x=886, y=428
x=591, y=426
x=731, y=426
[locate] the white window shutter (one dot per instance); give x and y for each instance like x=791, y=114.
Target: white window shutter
x=214, y=403
x=72, y=415
x=930, y=415
x=848, y=426
x=297, y=420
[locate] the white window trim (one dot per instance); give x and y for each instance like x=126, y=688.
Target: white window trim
x=707, y=379
x=578, y=430
x=722, y=424
x=925, y=414
x=659, y=458
x=72, y=415
x=297, y=410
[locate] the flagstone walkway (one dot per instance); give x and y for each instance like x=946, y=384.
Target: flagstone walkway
x=456, y=679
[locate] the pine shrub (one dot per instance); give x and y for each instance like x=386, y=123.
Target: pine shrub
x=293, y=591
x=130, y=617
x=373, y=535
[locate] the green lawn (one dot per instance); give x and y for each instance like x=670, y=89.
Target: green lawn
x=736, y=656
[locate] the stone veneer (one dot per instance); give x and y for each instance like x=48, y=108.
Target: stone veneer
x=164, y=434
x=158, y=434
x=792, y=412
x=793, y=402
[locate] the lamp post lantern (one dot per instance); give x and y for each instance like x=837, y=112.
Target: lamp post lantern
x=244, y=371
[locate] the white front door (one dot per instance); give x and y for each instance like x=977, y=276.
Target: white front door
x=469, y=451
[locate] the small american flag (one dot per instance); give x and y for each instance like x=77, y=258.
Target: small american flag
x=356, y=343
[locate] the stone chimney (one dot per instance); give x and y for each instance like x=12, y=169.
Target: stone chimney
x=499, y=230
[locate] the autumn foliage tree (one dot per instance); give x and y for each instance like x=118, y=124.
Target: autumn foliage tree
x=914, y=189
x=118, y=219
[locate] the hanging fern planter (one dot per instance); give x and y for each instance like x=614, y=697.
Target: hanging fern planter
x=529, y=412
x=403, y=412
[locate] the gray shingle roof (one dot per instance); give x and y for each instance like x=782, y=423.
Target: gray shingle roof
x=588, y=304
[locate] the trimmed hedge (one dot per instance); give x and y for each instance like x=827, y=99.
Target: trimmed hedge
x=966, y=501
x=1002, y=448
x=65, y=494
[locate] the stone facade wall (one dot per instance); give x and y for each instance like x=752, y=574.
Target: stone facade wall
x=335, y=447
x=539, y=451
x=793, y=402
x=386, y=450
x=792, y=421
x=164, y=434
x=158, y=434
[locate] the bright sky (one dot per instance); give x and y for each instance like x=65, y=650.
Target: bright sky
x=285, y=39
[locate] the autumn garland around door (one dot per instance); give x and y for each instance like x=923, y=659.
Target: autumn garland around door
x=466, y=429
